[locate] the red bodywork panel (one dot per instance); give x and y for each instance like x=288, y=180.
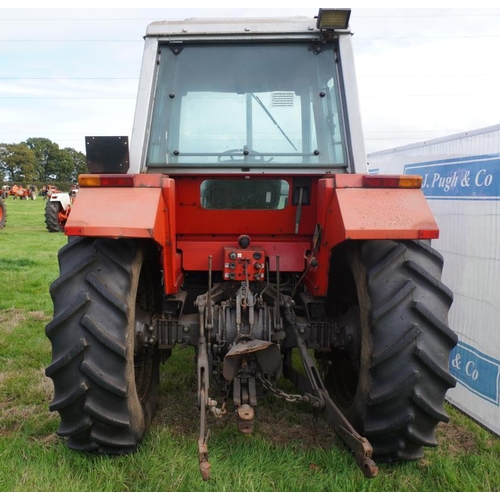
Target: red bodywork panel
x=146, y=210
x=169, y=211
x=346, y=211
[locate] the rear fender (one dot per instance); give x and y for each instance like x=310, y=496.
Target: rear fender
x=62, y=198
x=144, y=211
x=348, y=211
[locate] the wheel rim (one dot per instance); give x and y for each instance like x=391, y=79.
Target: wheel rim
x=143, y=366
x=342, y=377
x=341, y=366
x=145, y=356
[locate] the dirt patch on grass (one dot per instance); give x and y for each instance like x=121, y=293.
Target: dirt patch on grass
x=39, y=316
x=45, y=385
x=281, y=423
x=456, y=439
x=296, y=424
x=11, y=318
x=4, y=377
x=21, y=401
x=48, y=441
x=14, y=416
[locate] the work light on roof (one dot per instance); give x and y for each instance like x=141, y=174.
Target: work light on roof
x=333, y=19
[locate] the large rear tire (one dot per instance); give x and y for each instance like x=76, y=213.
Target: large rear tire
x=106, y=384
x=392, y=380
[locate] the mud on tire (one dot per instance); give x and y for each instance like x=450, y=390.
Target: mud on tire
x=105, y=392
x=392, y=388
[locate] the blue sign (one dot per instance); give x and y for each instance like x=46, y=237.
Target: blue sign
x=472, y=178
x=476, y=371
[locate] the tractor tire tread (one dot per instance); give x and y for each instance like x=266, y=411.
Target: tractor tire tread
x=411, y=342
x=90, y=369
x=51, y=217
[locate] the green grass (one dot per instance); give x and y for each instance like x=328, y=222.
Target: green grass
x=289, y=450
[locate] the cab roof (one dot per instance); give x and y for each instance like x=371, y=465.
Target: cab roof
x=278, y=26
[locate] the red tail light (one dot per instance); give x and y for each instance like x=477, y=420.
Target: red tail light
x=392, y=181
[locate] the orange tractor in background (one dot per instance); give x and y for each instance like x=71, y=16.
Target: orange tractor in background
x=241, y=221
x=25, y=193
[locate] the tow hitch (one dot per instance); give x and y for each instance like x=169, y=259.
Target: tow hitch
x=250, y=360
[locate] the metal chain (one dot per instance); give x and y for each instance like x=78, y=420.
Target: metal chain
x=291, y=398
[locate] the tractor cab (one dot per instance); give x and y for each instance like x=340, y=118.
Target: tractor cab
x=247, y=95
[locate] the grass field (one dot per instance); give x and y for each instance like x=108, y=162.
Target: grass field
x=290, y=449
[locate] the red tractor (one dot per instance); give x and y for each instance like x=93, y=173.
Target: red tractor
x=242, y=221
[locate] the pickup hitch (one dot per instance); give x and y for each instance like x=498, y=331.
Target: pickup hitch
x=313, y=385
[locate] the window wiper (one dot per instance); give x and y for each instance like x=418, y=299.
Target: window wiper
x=263, y=106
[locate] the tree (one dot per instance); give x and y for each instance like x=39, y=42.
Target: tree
x=63, y=166
x=54, y=164
x=79, y=164
x=17, y=162
x=46, y=154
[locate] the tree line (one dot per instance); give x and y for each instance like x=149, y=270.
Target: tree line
x=40, y=161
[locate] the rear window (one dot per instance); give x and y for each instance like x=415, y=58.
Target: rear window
x=244, y=194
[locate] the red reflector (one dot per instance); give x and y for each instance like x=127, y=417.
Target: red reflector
x=392, y=181
x=428, y=234
x=117, y=181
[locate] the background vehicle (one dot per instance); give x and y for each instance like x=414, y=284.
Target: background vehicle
x=244, y=224
x=3, y=213
x=58, y=208
x=25, y=193
x=48, y=190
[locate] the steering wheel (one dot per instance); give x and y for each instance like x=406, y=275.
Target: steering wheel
x=246, y=152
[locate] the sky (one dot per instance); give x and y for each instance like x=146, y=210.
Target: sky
x=422, y=73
